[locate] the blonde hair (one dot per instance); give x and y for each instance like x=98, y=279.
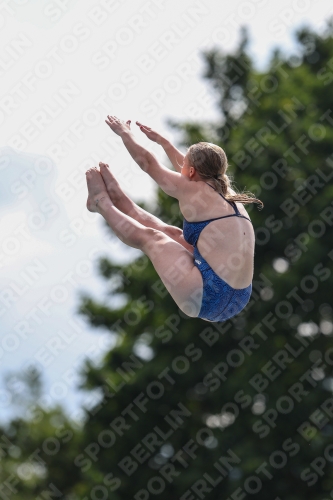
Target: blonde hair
x=210, y=161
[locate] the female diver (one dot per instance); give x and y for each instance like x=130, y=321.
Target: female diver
x=208, y=267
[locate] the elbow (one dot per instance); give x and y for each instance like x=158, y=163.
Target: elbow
x=143, y=162
x=147, y=162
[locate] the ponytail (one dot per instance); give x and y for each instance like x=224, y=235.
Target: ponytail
x=222, y=184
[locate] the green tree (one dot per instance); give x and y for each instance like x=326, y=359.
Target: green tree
x=37, y=448
x=193, y=410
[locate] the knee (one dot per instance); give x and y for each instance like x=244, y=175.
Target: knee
x=173, y=232
x=149, y=238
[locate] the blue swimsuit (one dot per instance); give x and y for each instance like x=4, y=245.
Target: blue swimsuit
x=220, y=301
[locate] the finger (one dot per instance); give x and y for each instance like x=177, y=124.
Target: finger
x=142, y=125
x=144, y=128
x=111, y=125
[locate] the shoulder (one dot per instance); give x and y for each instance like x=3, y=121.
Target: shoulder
x=196, y=199
x=192, y=190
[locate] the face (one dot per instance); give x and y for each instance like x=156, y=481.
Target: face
x=187, y=170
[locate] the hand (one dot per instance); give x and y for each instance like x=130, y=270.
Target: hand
x=119, y=127
x=151, y=134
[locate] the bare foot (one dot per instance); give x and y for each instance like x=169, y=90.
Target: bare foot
x=111, y=183
x=96, y=189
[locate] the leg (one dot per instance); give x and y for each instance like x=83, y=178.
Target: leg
x=172, y=261
x=128, y=207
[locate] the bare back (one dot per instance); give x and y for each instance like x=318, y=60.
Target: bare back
x=226, y=244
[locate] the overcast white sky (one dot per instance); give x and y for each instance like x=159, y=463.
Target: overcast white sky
x=65, y=65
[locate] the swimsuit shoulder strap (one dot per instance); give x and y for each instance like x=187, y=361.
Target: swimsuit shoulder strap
x=232, y=203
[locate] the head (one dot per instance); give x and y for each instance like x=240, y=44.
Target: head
x=207, y=162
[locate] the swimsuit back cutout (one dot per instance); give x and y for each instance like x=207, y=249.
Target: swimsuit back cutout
x=192, y=230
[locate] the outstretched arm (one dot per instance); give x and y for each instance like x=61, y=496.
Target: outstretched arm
x=172, y=183
x=175, y=156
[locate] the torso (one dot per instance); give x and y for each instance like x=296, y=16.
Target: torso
x=226, y=244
